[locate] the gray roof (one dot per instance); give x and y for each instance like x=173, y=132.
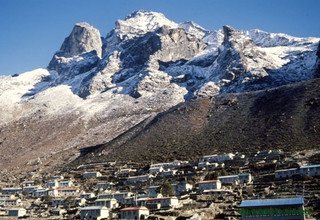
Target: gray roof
x=229, y=176
x=94, y=208
x=272, y=202
x=99, y=200
x=16, y=209
x=310, y=166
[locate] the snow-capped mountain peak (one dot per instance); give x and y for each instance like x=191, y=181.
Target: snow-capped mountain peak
x=266, y=39
x=194, y=29
x=141, y=22
x=83, y=38
x=186, y=56
x=79, y=52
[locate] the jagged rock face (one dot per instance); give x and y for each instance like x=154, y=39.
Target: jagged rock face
x=165, y=45
x=83, y=38
x=135, y=25
x=137, y=52
x=133, y=53
x=239, y=60
x=79, y=53
x=70, y=67
x=177, y=44
x=147, y=42
x=194, y=29
x=244, y=66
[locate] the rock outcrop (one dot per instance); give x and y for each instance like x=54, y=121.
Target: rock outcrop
x=83, y=39
x=79, y=53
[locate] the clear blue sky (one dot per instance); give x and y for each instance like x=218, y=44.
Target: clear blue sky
x=32, y=30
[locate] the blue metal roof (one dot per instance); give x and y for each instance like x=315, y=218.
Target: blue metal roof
x=272, y=202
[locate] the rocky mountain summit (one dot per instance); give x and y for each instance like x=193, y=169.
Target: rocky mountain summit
x=96, y=88
x=79, y=53
x=146, y=47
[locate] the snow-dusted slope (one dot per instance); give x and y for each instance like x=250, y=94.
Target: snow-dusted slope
x=146, y=54
x=141, y=22
x=194, y=29
x=13, y=91
x=266, y=39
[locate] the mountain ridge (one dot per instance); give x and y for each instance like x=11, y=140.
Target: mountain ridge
x=145, y=66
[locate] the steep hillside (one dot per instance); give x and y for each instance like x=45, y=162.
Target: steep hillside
x=286, y=117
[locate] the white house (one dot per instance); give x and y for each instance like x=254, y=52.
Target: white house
x=119, y=196
x=30, y=189
x=109, y=203
x=125, y=171
x=17, y=212
x=165, y=202
x=67, y=191
x=209, y=184
x=108, y=195
x=170, y=165
x=10, y=201
x=41, y=193
x=229, y=179
x=90, y=175
x=206, y=164
x=138, y=179
x=94, y=212
x=53, y=192
x=183, y=187
x=218, y=157
x=11, y=190
x=65, y=183
x=104, y=185
x=134, y=213
x=87, y=195
x=27, y=183
x=155, y=170
x=169, y=173
x=3, y=196
x=52, y=184
x=58, y=212
x=55, y=202
x=80, y=201
x=306, y=170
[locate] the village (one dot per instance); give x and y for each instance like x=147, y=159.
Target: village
x=220, y=186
